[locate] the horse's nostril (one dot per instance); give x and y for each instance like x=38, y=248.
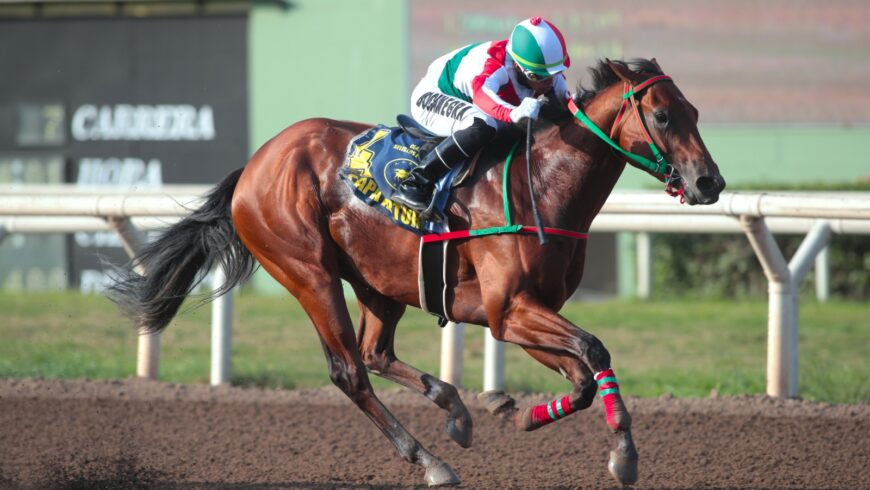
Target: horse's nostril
x=706, y=184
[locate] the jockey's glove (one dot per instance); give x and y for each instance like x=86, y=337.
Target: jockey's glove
x=528, y=108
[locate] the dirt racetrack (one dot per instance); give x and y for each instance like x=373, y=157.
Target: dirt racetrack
x=139, y=434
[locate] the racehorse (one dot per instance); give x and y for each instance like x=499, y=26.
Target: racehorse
x=289, y=210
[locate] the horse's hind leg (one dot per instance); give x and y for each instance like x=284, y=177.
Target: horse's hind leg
x=378, y=319
x=320, y=294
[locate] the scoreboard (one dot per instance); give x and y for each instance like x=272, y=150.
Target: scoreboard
x=123, y=102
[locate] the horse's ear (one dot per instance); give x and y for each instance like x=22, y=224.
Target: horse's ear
x=622, y=72
x=656, y=64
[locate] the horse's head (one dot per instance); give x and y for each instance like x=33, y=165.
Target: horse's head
x=657, y=112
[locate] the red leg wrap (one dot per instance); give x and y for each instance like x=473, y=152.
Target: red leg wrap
x=614, y=409
x=550, y=412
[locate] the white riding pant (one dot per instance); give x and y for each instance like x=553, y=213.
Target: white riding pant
x=443, y=114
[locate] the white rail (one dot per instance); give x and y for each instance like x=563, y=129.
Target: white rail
x=826, y=205
x=44, y=210
x=67, y=209
x=105, y=206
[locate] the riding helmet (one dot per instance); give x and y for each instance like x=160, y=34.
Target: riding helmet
x=538, y=47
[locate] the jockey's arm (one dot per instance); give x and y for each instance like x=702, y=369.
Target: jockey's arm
x=486, y=97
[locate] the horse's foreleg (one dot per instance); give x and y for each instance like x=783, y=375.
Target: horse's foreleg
x=531, y=418
x=533, y=326
x=534, y=417
x=378, y=319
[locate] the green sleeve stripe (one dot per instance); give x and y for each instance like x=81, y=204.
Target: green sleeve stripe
x=609, y=379
x=445, y=81
x=609, y=391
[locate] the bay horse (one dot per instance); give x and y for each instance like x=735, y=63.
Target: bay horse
x=289, y=210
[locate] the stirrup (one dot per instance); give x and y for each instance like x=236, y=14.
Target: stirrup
x=401, y=198
x=431, y=214
x=428, y=213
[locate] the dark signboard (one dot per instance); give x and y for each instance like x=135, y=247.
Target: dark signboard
x=129, y=102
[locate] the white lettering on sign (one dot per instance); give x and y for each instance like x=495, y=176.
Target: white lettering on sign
x=120, y=172
x=116, y=172
x=143, y=122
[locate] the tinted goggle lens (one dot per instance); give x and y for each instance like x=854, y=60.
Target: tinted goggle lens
x=533, y=76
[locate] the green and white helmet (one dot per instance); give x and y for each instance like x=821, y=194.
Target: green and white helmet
x=538, y=47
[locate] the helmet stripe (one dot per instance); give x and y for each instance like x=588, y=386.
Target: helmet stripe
x=553, y=51
x=523, y=41
x=558, y=34
x=536, y=65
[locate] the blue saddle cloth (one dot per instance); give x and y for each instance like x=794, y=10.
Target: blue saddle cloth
x=377, y=160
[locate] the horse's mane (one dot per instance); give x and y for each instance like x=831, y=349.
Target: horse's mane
x=555, y=110
x=603, y=76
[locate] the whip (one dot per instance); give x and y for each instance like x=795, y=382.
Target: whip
x=541, y=237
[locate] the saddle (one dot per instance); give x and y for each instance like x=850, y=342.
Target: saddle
x=415, y=129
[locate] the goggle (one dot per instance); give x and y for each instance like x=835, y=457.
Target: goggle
x=532, y=76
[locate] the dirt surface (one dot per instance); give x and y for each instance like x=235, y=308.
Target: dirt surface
x=139, y=434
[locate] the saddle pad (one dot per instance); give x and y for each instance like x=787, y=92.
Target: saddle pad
x=377, y=160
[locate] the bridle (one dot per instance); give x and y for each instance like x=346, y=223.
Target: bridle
x=674, y=184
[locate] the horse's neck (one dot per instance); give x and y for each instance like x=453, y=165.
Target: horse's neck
x=580, y=170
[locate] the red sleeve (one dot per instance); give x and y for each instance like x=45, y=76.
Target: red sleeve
x=485, y=85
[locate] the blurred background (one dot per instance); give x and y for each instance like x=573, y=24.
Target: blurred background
x=780, y=86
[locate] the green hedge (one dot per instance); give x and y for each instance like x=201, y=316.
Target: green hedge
x=725, y=266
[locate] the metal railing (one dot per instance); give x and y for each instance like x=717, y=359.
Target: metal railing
x=758, y=215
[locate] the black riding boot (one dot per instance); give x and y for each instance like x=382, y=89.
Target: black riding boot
x=416, y=190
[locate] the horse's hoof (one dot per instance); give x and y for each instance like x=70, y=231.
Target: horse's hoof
x=460, y=429
x=623, y=468
x=440, y=474
x=498, y=403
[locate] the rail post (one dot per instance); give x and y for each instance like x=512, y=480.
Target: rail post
x=644, y=265
x=823, y=275
x=148, y=349
x=452, y=345
x=784, y=281
x=221, y=331
x=493, y=359
x=781, y=324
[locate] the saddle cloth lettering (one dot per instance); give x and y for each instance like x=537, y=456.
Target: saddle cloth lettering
x=377, y=160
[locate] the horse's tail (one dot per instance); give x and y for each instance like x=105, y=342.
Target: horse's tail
x=174, y=264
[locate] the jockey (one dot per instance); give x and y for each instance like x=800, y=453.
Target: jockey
x=471, y=93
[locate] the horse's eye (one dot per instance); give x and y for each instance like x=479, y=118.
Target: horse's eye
x=661, y=117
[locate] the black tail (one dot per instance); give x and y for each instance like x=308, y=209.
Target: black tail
x=173, y=263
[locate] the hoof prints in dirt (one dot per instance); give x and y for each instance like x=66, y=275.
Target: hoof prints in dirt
x=134, y=435
x=121, y=473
